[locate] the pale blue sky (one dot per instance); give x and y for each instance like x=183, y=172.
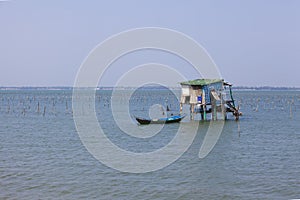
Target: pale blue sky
x=253, y=42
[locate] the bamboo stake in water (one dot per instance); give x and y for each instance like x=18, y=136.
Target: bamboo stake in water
x=38, y=107
x=44, y=111
x=291, y=115
x=67, y=109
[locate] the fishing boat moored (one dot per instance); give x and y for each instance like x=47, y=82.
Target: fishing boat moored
x=167, y=120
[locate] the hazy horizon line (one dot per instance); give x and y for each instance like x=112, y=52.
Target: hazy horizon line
x=234, y=86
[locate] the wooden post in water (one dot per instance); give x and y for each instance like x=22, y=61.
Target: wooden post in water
x=8, y=108
x=67, y=109
x=192, y=111
x=224, y=116
x=181, y=107
x=204, y=104
x=213, y=108
x=38, y=107
x=213, y=111
x=44, y=111
x=204, y=112
x=291, y=115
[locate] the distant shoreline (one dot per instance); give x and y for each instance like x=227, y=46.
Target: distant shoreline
x=266, y=88
x=237, y=88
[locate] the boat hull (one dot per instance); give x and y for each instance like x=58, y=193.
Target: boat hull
x=172, y=119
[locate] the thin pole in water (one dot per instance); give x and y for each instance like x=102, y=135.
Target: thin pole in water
x=44, y=111
x=291, y=114
x=38, y=107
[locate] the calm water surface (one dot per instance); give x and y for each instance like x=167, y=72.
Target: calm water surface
x=42, y=157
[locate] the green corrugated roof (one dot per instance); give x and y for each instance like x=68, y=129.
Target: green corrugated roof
x=201, y=82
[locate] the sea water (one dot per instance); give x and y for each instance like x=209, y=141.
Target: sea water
x=42, y=156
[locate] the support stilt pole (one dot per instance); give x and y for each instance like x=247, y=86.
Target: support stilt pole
x=181, y=108
x=204, y=112
x=193, y=111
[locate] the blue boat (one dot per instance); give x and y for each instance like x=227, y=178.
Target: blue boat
x=167, y=120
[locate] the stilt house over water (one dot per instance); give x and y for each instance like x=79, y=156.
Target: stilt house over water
x=208, y=96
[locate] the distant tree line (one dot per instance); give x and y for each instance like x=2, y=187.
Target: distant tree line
x=264, y=88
